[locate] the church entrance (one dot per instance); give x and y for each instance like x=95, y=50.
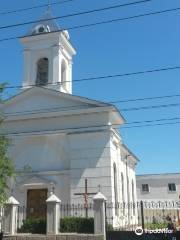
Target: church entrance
x=36, y=203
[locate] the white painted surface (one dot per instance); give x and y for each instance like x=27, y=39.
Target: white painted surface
x=57, y=49
x=158, y=186
x=64, y=138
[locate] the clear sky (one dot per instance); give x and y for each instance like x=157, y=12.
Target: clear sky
x=128, y=46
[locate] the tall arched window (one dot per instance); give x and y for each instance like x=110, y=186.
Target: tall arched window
x=115, y=189
x=63, y=74
x=42, y=72
x=122, y=192
x=128, y=198
x=133, y=197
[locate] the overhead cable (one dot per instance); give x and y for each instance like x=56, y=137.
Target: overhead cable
x=102, y=22
x=108, y=77
x=75, y=14
x=34, y=7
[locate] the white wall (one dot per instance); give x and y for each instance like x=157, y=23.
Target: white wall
x=158, y=186
x=90, y=158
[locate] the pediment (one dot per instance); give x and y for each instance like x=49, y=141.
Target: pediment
x=34, y=181
x=41, y=98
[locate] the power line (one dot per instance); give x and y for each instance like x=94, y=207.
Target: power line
x=102, y=22
x=34, y=7
x=76, y=14
x=139, y=99
x=66, y=109
x=150, y=107
x=151, y=125
x=146, y=98
x=155, y=120
x=128, y=74
x=105, y=76
x=95, y=127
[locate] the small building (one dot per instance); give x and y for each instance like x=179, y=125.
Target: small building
x=160, y=194
x=164, y=186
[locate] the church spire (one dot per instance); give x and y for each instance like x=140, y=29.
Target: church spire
x=48, y=10
x=46, y=23
x=48, y=57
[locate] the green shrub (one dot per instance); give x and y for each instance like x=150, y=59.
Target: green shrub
x=153, y=226
x=33, y=226
x=78, y=225
x=109, y=227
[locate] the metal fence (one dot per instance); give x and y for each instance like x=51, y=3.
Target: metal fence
x=76, y=210
x=66, y=211
x=148, y=214
x=122, y=216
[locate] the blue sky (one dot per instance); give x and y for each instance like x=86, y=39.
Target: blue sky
x=127, y=46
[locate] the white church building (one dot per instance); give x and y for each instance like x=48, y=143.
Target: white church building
x=64, y=138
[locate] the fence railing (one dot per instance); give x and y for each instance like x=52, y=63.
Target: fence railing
x=127, y=216
x=66, y=211
x=76, y=210
x=122, y=215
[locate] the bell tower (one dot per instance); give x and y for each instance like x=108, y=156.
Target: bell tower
x=48, y=56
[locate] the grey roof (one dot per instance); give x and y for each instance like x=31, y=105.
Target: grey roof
x=48, y=21
x=129, y=151
x=157, y=174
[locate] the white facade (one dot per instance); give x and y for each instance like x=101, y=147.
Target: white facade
x=56, y=48
x=65, y=139
x=165, y=187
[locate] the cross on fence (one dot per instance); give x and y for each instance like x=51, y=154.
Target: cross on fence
x=86, y=194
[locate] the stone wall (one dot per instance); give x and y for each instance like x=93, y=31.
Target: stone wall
x=57, y=237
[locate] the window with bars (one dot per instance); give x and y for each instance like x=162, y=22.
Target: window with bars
x=171, y=187
x=145, y=187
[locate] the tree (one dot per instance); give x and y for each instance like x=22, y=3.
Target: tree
x=7, y=169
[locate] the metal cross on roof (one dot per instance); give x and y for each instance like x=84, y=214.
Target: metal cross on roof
x=49, y=6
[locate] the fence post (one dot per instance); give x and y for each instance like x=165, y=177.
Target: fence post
x=10, y=216
x=99, y=214
x=53, y=214
x=142, y=214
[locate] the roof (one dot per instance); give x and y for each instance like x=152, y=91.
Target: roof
x=56, y=102
x=158, y=175
x=130, y=153
x=47, y=21
x=67, y=95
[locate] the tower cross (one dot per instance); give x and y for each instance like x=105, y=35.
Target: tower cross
x=85, y=195
x=49, y=6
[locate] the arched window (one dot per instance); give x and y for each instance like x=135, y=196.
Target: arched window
x=115, y=189
x=133, y=197
x=63, y=74
x=128, y=198
x=122, y=192
x=42, y=72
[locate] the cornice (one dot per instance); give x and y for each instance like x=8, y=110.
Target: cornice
x=54, y=114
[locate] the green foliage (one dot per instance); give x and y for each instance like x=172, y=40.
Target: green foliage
x=67, y=225
x=153, y=226
x=7, y=169
x=109, y=227
x=37, y=226
x=78, y=225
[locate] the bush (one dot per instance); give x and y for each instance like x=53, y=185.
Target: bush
x=78, y=225
x=33, y=226
x=153, y=226
x=109, y=227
